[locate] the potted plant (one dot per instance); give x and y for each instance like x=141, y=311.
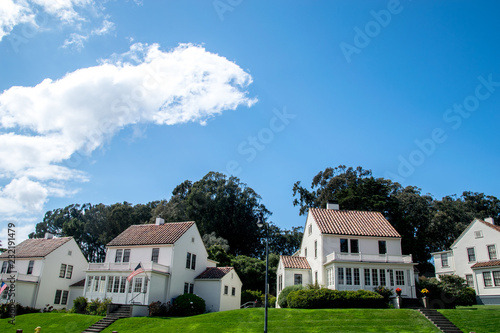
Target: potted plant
x=398, y=291
x=424, y=292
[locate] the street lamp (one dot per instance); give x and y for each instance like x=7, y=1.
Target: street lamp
x=260, y=224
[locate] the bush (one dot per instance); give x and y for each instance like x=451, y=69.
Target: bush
x=447, y=291
x=79, y=305
x=102, y=309
x=282, y=298
x=466, y=297
x=250, y=296
x=189, y=305
x=20, y=310
x=159, y=309
x=386, y=293
x=326, y=298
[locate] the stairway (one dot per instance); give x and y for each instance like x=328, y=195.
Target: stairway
x=440, y=321
x=123, y=311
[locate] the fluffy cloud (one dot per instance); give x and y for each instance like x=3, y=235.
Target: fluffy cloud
x=43, y=126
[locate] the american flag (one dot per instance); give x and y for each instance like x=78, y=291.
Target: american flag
x=137, y=270
x=2, y=287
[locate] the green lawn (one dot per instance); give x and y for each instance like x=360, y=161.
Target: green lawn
x=479, y=318
x=284, y=320
x=49, y=323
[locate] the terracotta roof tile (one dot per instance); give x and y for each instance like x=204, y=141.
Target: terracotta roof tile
x=350, y=222
x=486, y=264
x=493, y=226
x=149, y=234
x=37, y=247
x=295, y=262
x=214, y=273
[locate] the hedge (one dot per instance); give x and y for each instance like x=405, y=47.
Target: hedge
x=284, y=294
x=327, y=298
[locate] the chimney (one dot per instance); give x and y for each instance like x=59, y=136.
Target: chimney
x=48, y=235
x=160, y=221
x=489, y=220
x=332, y=204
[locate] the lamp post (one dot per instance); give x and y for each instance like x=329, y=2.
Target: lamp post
x=260, y=224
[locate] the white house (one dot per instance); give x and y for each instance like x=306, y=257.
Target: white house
x=474, y=256
x=174, y=260
x=348, y=250
x=44, y=270
x=220, y=287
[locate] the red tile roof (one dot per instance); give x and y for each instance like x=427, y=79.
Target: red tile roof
x=150, y=234
x=493, y=226
x=37, y=247
x=214, y=273
x=490, y=263
x=295, y=262
x=350, y=222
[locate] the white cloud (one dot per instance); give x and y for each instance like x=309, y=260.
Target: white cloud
x=44, y=126
x=12, y=13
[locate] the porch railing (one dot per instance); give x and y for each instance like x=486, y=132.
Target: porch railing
x=128, y=266
x=338, y=256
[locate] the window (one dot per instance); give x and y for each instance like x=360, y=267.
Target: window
x=138, y=285
x=186, y=287
x=102, y=285
x=496, y=278
x=193, y=261
x=348, y=276
x=145, y=287
x=374, y=277
x=305, y=252
x=400, y=278
x=329, y=276
x=188, y=260
x=89, y=283
x=62, y=271
x=297, y=279
x=126, y=255
x=315, y=249
x=226, y=290
x=471, y=254
x=382, y=247
x=30, y=267
x=110, y=284
x=444, y=259
x=310, y=229
x=382, y=277
x=367, y=277
x=123, y=282
x=116, y=285
x=118, y=255
x=354, y=246
x=340, y=275
x=316, y=276
x=70, y=253
x=487, y=279
x=233, y=291
x=478, y=234
x=4, y=267
x=64, y=299
x=391, y=276
x=154, y=254
x=130, y=287
x=191, y=288
x=344, y=246
x=470, y=281
x=57, y=299
x=356, y=276
x=69, y=272
x=280, y=282
x=96, y=284
x=492, y=252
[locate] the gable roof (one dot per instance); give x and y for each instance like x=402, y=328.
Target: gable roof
x=351, y=222
x=150, y=234
x=295, y=262
x=214, y=273
x=80, y=283
x=490, y=263
x=492, y=226
x=37, y=247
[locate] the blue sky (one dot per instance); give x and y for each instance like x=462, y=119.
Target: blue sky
x=112, y=101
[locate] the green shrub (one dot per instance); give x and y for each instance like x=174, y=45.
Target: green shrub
x=250, y=296
x=282, y=298
x=189, y=305
x=158, y=309
x=271, y=300
x=102, y=308
x=20, y=310
x=92, y=307
x=386, y=293
x=466, y=297
x=79, y=305
x=447, y=291
x=326, y=298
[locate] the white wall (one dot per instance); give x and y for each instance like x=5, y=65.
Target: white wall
x=142, y=253
x=315, y=261
x=230, y=302
x=438, y=265
x=211, y=291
